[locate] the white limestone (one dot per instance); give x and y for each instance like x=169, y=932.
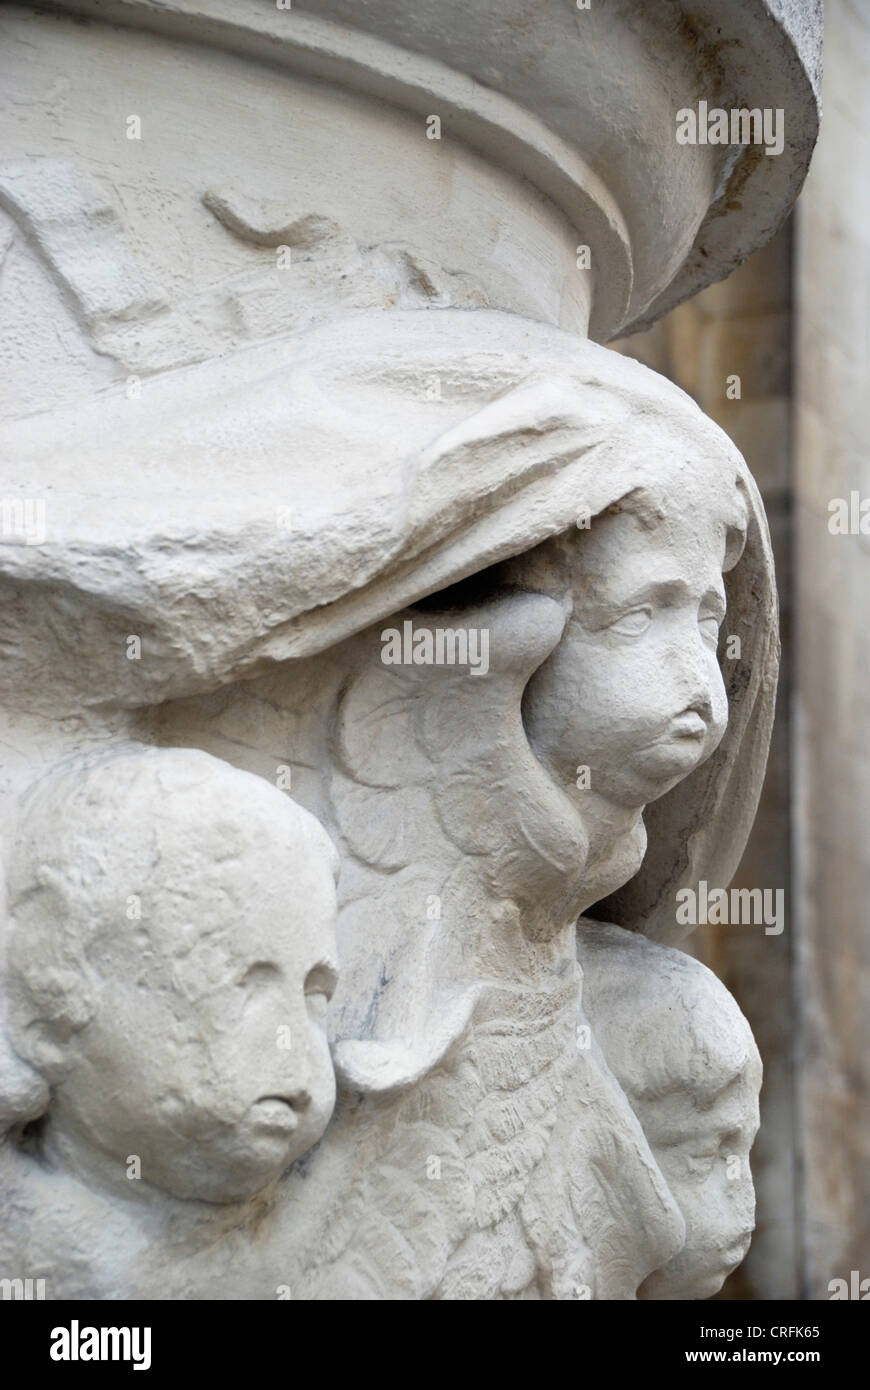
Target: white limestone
x=332, y=543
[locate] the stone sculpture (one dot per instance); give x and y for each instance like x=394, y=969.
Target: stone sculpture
x=385, y=567
x=685, y=1057
x=170, y=958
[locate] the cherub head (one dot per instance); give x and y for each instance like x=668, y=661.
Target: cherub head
x=170, y=959
x=684, y=1055
x=634, y=691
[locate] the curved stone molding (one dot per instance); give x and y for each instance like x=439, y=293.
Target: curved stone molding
x=547, y=98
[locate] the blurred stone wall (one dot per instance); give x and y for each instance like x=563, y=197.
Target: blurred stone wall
x=832, y=667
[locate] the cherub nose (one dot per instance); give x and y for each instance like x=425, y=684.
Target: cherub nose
x=700, y=704
x=300, y=1099
x=692, y=677
x=297, y=1079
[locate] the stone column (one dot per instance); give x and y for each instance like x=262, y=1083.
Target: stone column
x=389, y=668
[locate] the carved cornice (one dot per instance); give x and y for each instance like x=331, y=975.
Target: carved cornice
x=547, y=97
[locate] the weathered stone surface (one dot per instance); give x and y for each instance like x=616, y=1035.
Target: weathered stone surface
x=332, y=541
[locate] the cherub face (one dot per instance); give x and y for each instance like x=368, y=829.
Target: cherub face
x=704, y=1157
x=207, y=1056
x=634, y=690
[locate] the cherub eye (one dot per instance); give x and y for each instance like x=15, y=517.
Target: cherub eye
x=262, y=972
x=632, y=624
x=709, y=629
x=319, y=989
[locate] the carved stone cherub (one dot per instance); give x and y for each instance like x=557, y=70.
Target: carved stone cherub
x=685, y=1057
x=632, y=699
x=581, y=514
x=170, y=959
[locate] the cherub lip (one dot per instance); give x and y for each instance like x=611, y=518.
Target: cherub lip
x=681, y=733
x=737, y=1250
x=275, y=1112
x=689, y=724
